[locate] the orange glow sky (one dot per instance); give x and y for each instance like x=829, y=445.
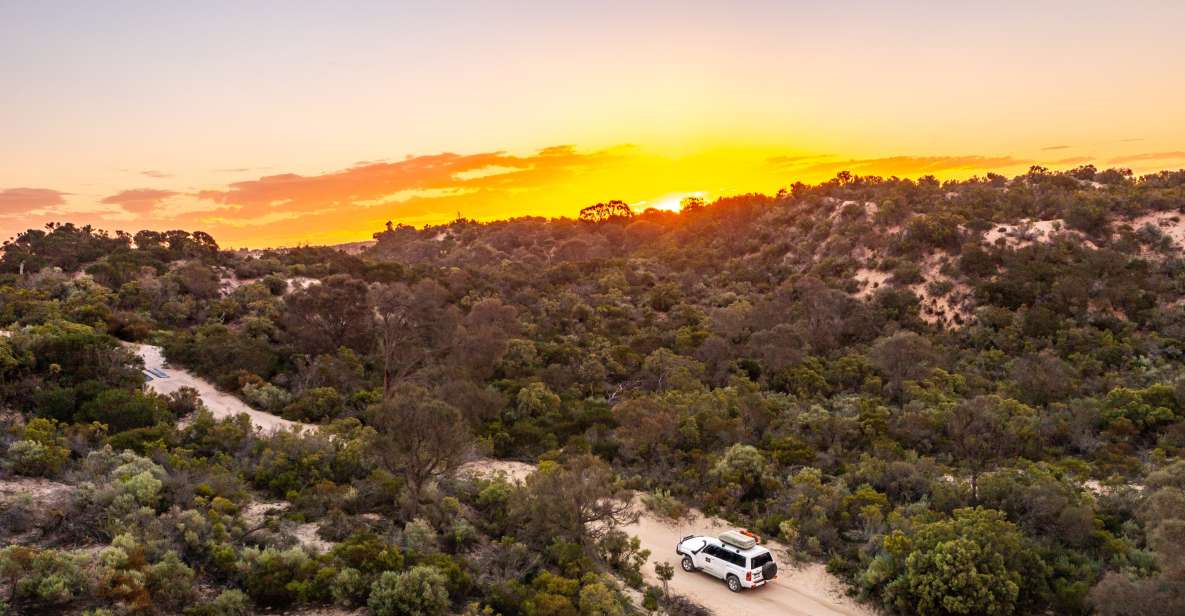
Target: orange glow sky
x=284, y=123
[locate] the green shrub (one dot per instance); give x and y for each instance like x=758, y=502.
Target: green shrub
x=315, y=405
x=42, y=578
x=170, y=582
x=33, y=459
x=122, y=410
x=230, y=603
x=41, y=452
x=661, y=503
x=275, y=578
x=419, y=591
x=350, y=587
x=419, y=536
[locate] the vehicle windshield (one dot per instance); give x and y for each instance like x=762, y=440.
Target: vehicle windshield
x=760, y=560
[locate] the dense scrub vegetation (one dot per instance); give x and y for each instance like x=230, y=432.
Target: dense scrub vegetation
x=966, y=397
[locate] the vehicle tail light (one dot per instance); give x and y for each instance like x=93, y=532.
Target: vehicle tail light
x=748, y=576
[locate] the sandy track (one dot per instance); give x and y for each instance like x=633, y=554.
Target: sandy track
x=803, y=591
x=807, y=590
x=221, y=404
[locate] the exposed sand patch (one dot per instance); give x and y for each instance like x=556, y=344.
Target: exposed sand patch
x=298, y=283
x=1024, y=232
x=949, y=309
x=516, y=472
x=306, y=535
x=38, y=489
x=221, y=404
x=1029, y=232
x=869, y=208
x=30, y=505
x=327, y=611
x=228, y=284
x=1169, y=224
x=254, y=514
x=870, y=280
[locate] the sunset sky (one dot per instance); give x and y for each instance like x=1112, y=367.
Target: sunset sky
x=276, y=123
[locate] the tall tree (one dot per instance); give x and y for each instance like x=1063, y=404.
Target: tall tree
x=986, y=429
x=414, y=323
x=326, y=316
x=420, y=438
x=605, y=212
x=580, y=501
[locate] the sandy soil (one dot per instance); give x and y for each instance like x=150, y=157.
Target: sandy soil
x=327, y=611
x=870, y=280
x=515, y=471
x=221, y=404
x=943, y=309
x=1028, y=232
x=254, y=513
x=300, y=282
x=803, y=591
x=36, y=488
x=1170, y=224
x=306, y=535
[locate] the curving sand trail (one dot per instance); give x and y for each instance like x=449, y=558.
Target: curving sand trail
x=808, y=590
x=221, y=404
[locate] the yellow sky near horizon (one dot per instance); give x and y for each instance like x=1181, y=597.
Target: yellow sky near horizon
x=304, y=123
x=349, y=204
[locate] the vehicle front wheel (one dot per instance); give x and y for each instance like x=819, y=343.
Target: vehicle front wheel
x=734, y=583
x=688, y=566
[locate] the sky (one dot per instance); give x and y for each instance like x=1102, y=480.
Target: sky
x=283, y=123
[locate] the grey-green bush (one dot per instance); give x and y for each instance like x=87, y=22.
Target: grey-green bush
x=419, y=591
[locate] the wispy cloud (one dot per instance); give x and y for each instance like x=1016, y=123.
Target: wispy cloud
x=794, y=161
x=140, y=201
x=1073, y=160
x=419, y=177
x=912, y=165
x=22, y=201
x=1147, y=156
x=1055, y=147
x=152, y=173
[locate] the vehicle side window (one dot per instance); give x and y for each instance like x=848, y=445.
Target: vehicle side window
x=712, y=550
x=760, y=560
x=733, y=558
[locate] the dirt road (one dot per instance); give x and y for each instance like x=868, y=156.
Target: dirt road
x=807, y=590
x=803, y=591
x=221, y=404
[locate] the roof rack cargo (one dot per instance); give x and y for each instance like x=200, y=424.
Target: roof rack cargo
x=738, y=539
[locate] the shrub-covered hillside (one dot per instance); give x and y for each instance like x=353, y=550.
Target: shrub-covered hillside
x=965, y=397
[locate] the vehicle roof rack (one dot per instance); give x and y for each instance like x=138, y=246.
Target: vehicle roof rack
x=738, y=539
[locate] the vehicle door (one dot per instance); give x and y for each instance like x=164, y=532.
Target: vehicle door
x=712, y=561
x=733, y=563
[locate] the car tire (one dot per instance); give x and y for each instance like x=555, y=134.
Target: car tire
x=734, y=583
x=688, y=566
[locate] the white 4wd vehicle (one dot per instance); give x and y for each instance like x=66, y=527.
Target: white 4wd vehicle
x=733, y=557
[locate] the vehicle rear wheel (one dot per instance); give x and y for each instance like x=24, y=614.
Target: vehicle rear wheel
x=688, y=566
x=734, y=583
